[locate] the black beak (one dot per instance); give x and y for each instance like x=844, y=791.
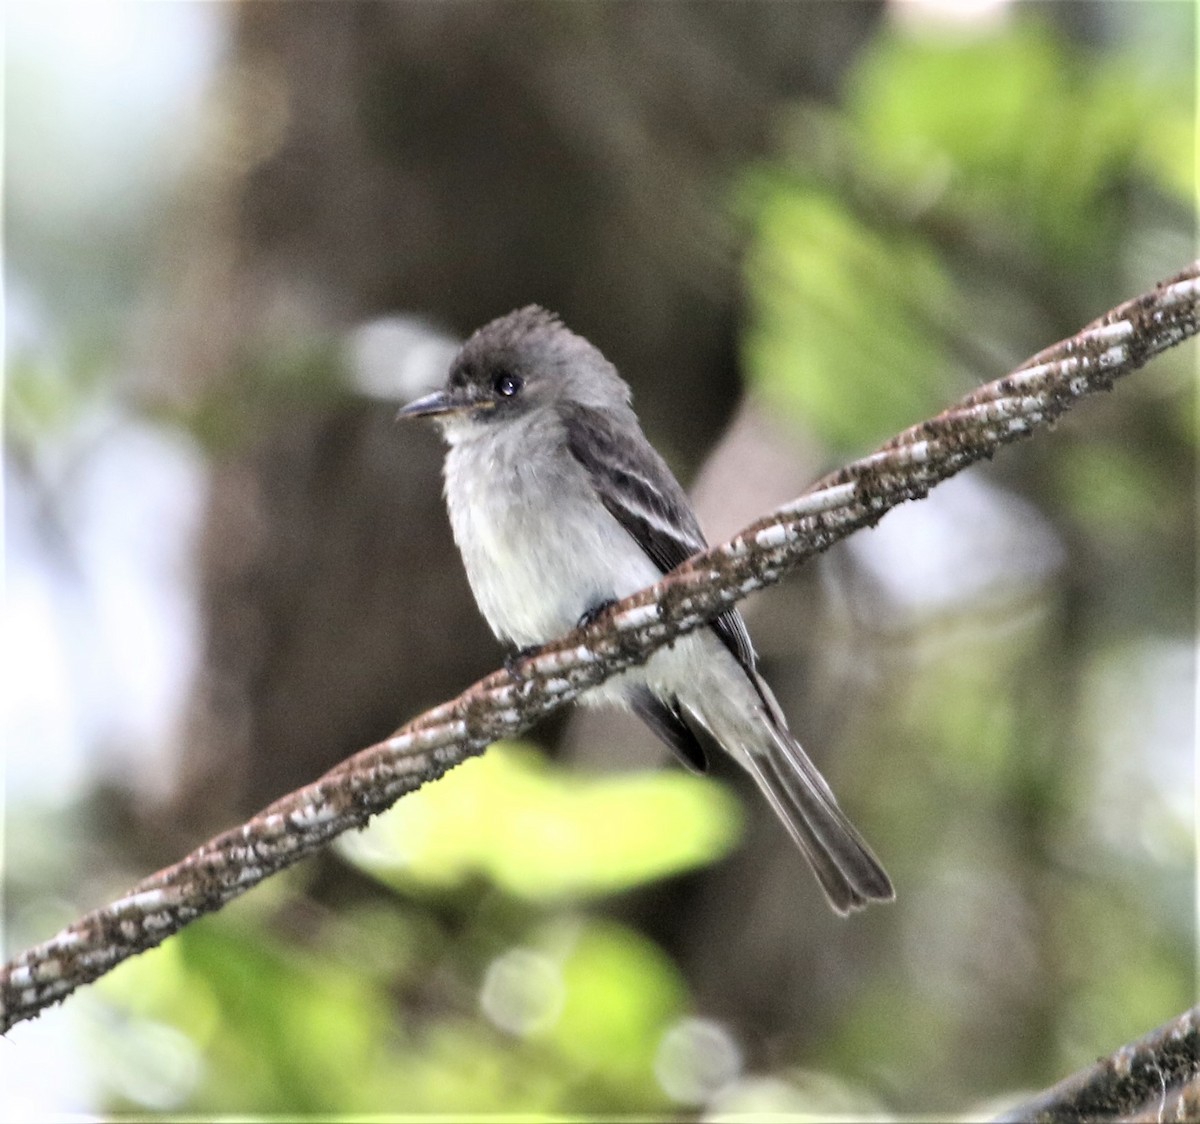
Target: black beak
x=439, y=402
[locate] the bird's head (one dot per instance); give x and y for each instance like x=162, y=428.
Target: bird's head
x=522, y=363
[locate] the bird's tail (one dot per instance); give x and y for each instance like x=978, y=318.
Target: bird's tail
x=848, y=872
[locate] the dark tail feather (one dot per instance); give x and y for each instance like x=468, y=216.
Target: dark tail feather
x=849, y=873
x=743, y=716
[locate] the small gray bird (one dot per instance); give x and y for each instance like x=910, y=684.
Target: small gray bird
x=559, y=506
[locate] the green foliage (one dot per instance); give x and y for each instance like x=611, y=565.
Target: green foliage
x=544, y=834
x=839, y=334
x=275, y=1025
x=524, y=1009
x=1016, y=151
x=621, y=993
x=47, y=394
x=1024, y=133
x=573, y=1016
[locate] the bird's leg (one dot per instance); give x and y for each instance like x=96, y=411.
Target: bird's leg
x=515, y=657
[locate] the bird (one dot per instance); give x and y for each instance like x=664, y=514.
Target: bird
x=560, y=506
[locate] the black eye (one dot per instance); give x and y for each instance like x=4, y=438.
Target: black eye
x=506, y=384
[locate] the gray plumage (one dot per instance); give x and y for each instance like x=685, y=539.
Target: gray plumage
x=559, y=505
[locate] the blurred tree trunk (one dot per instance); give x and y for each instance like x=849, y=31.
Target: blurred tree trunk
x=454, y=159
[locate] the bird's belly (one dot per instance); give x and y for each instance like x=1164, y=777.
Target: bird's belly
x=538, y=560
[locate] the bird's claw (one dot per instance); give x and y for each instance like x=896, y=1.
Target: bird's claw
x=595, y=612
x=512, y=660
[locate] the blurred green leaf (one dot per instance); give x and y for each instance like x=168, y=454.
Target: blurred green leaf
x=621, y=994
x=47, y=394
x=231, y=1017
x=1015, y=144
x=457, y=1068
x=798, y=1096
x=277, y=1027
x=1027, y=133
x=840, y=332
x=543, y=833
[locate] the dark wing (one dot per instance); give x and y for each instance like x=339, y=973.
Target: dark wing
x=639, y=491
x=668, y=723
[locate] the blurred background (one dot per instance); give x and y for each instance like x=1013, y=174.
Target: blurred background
x=237, y=235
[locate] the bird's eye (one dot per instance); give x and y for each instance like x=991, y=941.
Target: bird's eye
x=506, y=384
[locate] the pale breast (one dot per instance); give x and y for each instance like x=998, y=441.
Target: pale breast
x=539, y=547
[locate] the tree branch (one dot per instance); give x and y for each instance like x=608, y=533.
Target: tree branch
x=506, y=703
x=1156, y=1078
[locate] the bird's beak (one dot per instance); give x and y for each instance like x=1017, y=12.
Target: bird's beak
x=431, y=406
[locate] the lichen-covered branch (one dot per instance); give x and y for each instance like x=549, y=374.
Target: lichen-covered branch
x=506, y=703
x=1156, y=1078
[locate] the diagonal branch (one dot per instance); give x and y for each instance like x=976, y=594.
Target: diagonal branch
x=506, y=703
x=1156, y=1078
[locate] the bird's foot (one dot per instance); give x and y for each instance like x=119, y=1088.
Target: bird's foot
x=513, y=659
x=595, y=612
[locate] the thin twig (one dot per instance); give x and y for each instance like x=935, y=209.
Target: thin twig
x=1155, y=1078
x=506, y=703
